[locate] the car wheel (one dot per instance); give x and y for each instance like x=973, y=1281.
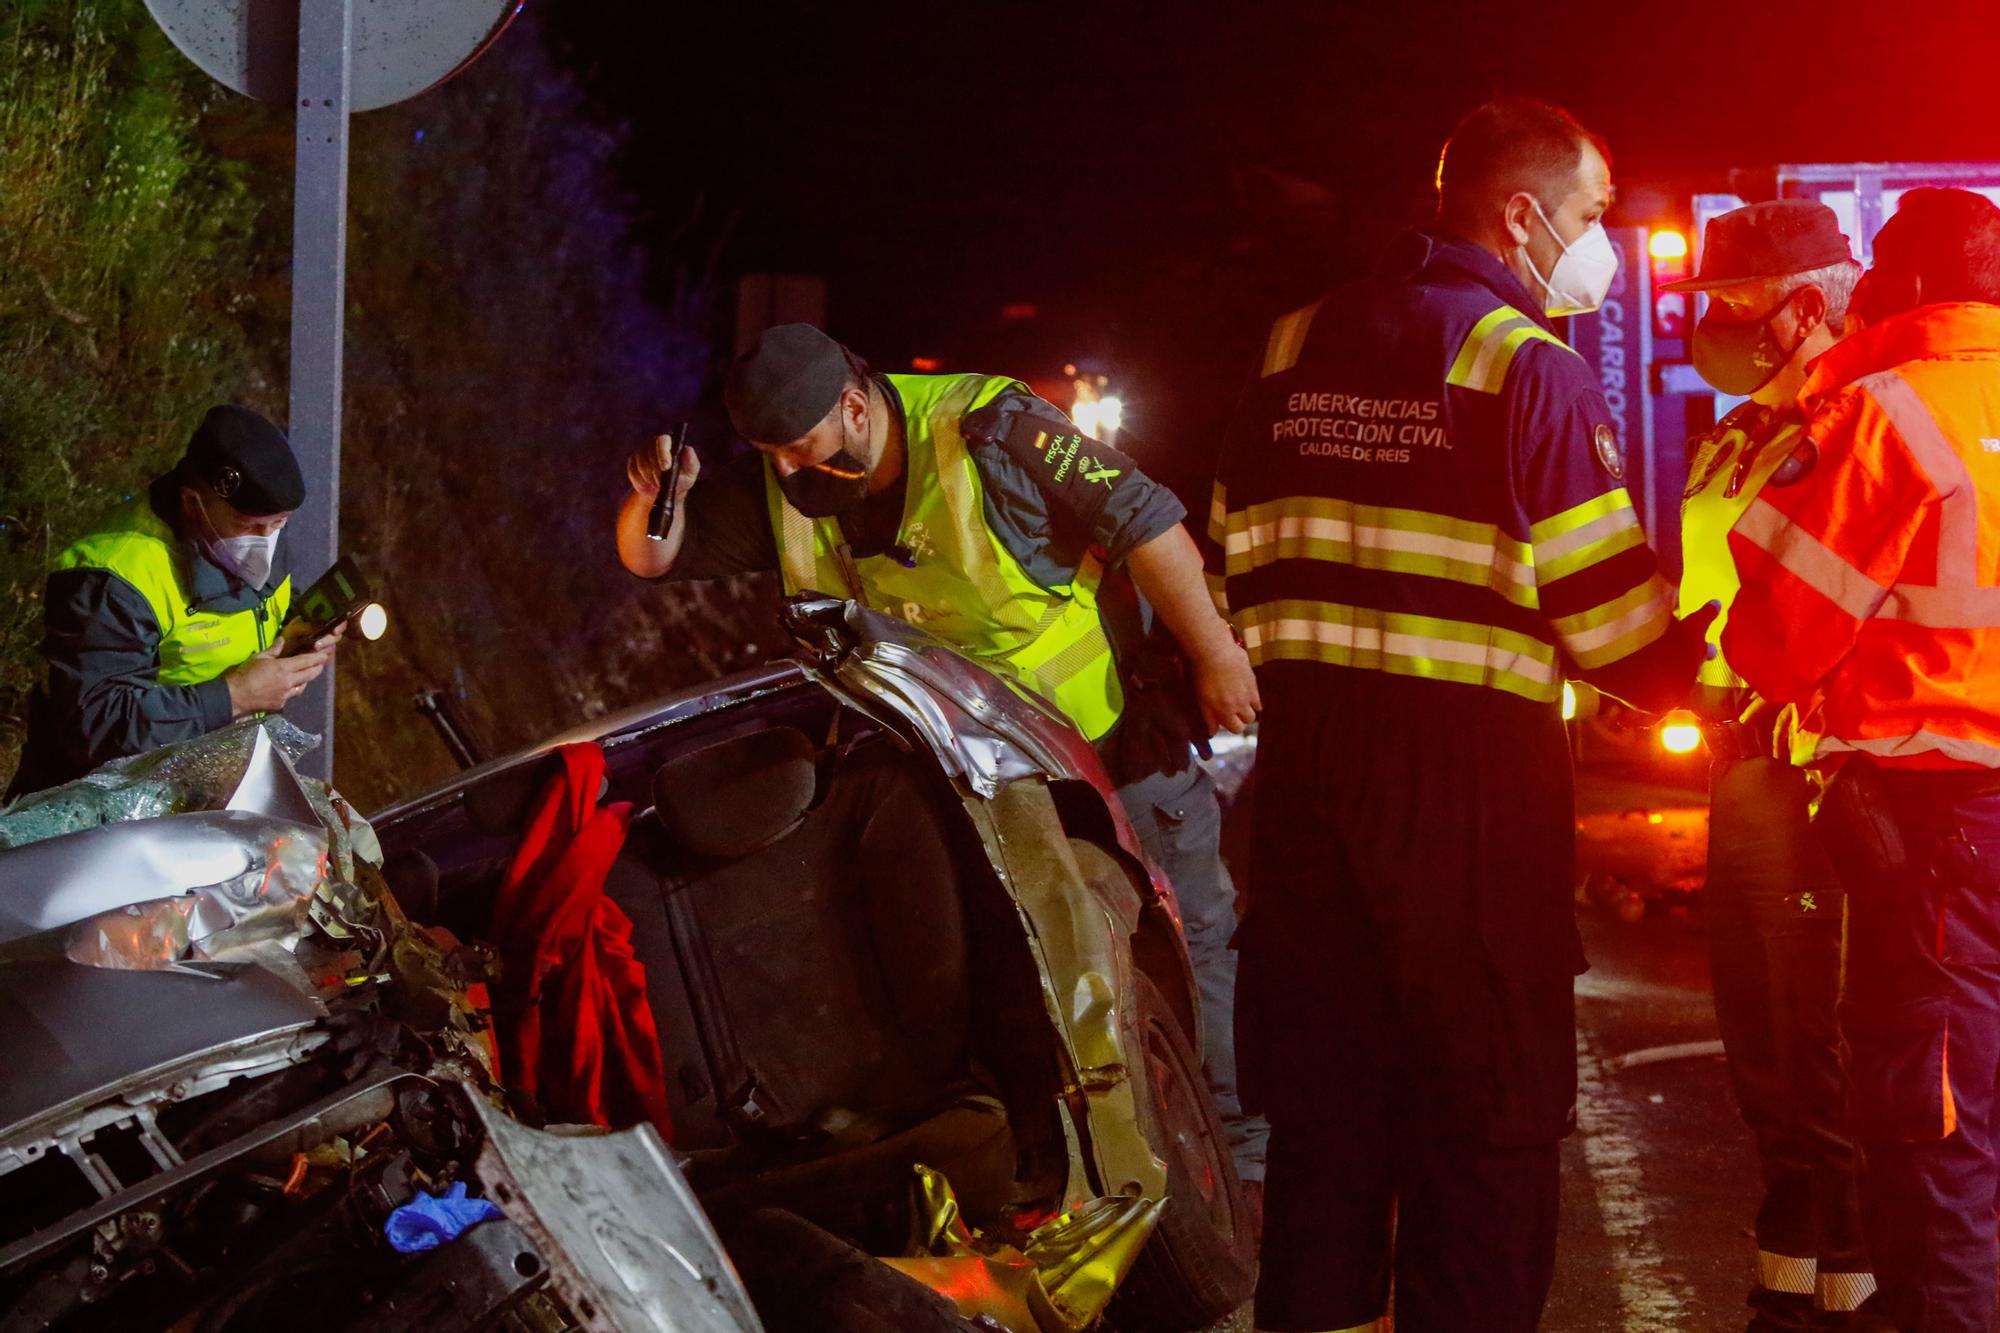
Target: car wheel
x=1201, y=1262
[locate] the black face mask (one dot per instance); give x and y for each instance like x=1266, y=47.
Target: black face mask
x=1739, y=358
x=829, y=487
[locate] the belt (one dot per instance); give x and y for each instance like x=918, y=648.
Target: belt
x=1736, y=740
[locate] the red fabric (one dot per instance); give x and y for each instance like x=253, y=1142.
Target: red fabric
x=576, y=1032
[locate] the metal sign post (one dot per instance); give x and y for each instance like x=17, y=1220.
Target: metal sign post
x=319, y=287
x=326, y=60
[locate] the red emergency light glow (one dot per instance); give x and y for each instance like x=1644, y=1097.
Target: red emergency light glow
x=1669, y=250
x=927, y=364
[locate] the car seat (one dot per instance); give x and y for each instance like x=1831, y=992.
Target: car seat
x=800, y=919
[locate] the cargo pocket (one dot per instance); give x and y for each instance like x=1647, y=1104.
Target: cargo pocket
x=1969, y=903
x=1532, y=1025
x=1902, y=1071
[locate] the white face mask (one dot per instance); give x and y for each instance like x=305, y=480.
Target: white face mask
x=251, y=557
x=248, y=557
x=1578, y=282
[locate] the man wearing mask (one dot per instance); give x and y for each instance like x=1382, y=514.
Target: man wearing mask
x=968, y=506
x=1778, y=277
x=163, y=623
x=1870, y=600
x=1420, y=526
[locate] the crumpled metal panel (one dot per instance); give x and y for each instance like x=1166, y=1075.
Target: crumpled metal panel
x=1085, y=966
x=1059, y=1280
x=240, y=869
x=628, y=1247
x=197, y=849
x=985, y=731
x=82, y=1036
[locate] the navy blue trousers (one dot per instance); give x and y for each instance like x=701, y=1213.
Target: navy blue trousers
x=1921, y=861
x=1405, y=1009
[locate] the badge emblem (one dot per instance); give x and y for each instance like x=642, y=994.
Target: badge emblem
x=227, y=481
x=1608, y=452
x=1799, y=466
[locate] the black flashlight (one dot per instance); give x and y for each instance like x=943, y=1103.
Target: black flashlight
x=661, y=520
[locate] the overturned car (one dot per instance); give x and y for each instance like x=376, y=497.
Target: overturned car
x=920, y=1021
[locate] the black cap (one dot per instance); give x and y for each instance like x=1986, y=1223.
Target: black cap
x=1769, y=240
x=244, y=459
x=786, y=384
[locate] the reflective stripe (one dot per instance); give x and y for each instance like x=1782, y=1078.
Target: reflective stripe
x=1085, y=651
x=1288, y=339
x=799, y=560
x=1844, y=1292
x=1489, y=349
x=1781, y=1272
x=1620, y=627
x=1976, y=753
x=1405, y=541
x=1401, y=644
x=1943, y=608
x=1218, y=515
x=1218, y=591
x=1958, y=519
x=1944, y=1072
x=1596, y=541
x=1810, y=560
x=1542, y=536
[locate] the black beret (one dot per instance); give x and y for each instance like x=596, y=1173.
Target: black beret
x=785, y=385
x=246, y=460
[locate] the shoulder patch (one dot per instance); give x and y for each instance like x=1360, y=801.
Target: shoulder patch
x=1609, y=452
x=1490, y=348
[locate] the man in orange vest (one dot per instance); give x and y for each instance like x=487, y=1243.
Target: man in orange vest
x=1871, y=598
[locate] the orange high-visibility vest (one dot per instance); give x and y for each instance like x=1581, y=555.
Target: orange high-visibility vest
x=1871, y=586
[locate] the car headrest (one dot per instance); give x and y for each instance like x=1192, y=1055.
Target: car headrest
x=730, y=798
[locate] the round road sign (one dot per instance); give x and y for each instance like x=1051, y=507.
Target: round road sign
x=401, y=47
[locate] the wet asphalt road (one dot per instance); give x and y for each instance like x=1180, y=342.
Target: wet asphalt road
x=1659, y=1182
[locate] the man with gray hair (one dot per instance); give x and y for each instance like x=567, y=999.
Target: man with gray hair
x=1778, y=277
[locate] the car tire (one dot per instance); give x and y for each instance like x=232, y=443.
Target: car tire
x=1201, y=1262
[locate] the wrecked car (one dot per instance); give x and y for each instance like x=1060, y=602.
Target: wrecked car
x=924, y=1021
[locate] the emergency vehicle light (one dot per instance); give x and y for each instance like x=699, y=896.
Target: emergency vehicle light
x=1669, y=250
x=1668, y=244
x=1679, y=734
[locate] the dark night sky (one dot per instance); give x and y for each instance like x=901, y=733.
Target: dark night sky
x=1159, y=180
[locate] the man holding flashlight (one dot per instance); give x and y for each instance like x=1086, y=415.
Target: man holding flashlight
x=968, y=506
x=162, y=625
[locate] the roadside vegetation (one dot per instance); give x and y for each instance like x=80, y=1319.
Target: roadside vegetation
x=503, y=356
